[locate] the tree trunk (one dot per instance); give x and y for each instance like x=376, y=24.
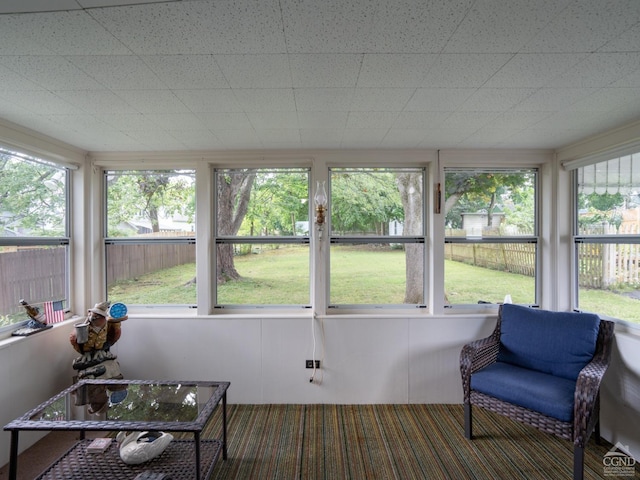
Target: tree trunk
x=410, y=187
x=234, y=193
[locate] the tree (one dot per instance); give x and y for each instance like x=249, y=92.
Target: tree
x=148, y=194
x=32, y=200
x=234, y=193
x=410, y=188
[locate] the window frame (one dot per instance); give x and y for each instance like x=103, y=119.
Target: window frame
x=501, y=239
x=40, y=241
x=221, y=239
x=174, y=240
x=346, y=239
x=578, y=238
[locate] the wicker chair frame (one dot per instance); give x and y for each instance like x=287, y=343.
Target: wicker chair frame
x=586, y=414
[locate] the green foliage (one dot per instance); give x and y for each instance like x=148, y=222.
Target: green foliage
x=279, y=199
x=148, y=195
x=32, y=198
x=510, y=192
x=364, y=201
x=600, y=208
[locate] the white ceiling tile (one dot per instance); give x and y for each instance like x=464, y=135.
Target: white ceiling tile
x=71, y=33
x=13, y=6
x=553, y=99
x=628, y=41
x=197, y=139
x=499, y=26
x=276, y=120
x=438, y=99
x=127, y=122
x=599, y=70
x=187, y=71
x=363, y=137
x=324, y=99
x=419, y=120
x=416, y=26
x=585, y=26
x=330, y=26
x=495, y=99
x=118, y=72
x=241, y=26
x=255, y=71
x=157, y=140
x=373, y=120
x=266, y=100
x=403, y=138
x=216, y=100
x=238, y=138
x=393, y=70
x=515, y=120
x=381, y=99
x=175, y=121
x=226, y=120
x=14, y=81
x=96, y=101
x=321, y=74
x=18, y=41
x=464, y=70
x=153, y=101
x=322, y=120
x=324, y=70
x=50, y=72
x=40, y=101
x=469, y=121
x=278, y=135
x=533, y=70
x=320, y=137
x=607, y=99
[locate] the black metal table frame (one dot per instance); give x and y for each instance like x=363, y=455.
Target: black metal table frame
x=82, y=426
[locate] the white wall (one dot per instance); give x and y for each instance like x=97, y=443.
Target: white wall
x=379, y=359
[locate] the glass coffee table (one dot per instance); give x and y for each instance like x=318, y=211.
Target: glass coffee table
x=130, y=406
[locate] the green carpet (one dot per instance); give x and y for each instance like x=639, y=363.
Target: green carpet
x=368, y=442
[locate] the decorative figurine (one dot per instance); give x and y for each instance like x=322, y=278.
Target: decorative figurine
x=140, y=447
x=37, y=319
x=93, y=339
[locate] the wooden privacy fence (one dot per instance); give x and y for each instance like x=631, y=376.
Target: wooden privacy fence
x=506, y=257
x=38, y=274
x=35, y=274
x=126, y=262
x=601, y=265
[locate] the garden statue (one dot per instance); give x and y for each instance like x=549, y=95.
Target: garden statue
x=93, y=339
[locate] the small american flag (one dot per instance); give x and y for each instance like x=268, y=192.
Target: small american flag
x=54, y=311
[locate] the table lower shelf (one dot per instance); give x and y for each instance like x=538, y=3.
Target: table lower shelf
x=178, y=462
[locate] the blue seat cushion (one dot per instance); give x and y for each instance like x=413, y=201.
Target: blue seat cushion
x=558, y=343
x=547, y=394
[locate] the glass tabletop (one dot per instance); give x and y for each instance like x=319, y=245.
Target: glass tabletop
x=126, y=404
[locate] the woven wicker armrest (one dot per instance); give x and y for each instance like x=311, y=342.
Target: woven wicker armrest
x=586, y=398
x=475, y=356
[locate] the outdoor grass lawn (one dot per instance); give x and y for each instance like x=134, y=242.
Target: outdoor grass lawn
x=359, y=276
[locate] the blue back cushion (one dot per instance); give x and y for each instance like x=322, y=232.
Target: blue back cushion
x=558, y=343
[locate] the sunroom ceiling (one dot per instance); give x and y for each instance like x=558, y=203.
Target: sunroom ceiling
x=288, y=74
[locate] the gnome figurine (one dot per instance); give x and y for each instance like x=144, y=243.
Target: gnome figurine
x=94, y=338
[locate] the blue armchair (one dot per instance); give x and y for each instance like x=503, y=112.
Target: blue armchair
x=541, y=368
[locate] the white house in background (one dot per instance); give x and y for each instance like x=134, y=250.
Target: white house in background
x=475, y=223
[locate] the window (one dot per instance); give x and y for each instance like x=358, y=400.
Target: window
x=34, y=236
x=491, y=236
x=262, y=237
x=377, y=237
x=607, y=237
x=150, y=237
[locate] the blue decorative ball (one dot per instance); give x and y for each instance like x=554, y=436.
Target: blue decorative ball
x=117, y=310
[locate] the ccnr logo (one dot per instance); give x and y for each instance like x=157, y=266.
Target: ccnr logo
x=618, y=462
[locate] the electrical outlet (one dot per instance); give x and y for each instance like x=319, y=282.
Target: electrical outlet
x=309, y=363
